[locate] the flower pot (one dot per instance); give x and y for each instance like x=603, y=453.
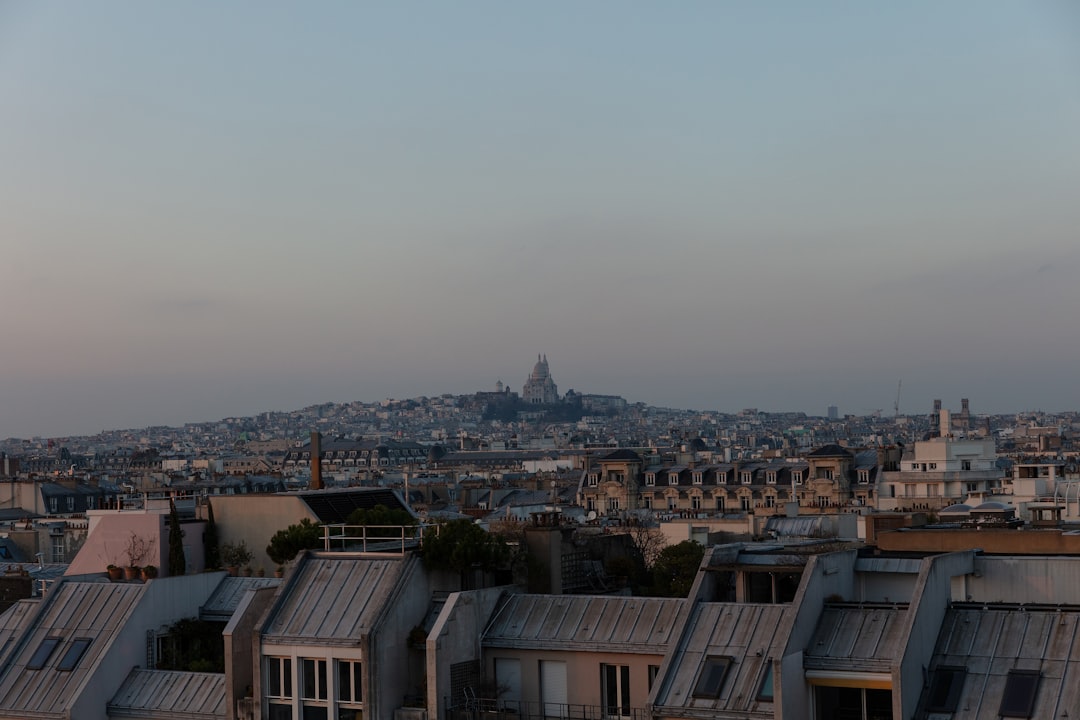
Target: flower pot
x=115, y=573
x=131, y=573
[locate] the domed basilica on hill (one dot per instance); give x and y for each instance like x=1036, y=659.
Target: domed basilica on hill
x=540, y=389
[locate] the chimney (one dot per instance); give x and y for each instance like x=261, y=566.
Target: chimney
x=316, y=461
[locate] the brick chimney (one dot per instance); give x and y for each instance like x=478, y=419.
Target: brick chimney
x=316, y=461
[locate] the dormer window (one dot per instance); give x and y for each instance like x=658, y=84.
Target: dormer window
x=697, y=478
x=650, y=479
x=864, y=476
x=770, y=477
x=594, y=479
x=673, y=479
x=721, y=478
x=796, y=477
x=747, y=477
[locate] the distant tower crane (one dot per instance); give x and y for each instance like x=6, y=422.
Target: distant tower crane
x=896, y=405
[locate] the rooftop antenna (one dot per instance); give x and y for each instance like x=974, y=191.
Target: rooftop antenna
x=896, y=405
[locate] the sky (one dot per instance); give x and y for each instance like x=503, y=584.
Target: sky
x=217, y=209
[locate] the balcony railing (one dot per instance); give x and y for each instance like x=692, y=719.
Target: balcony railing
x=396, y=539
x=493, y=709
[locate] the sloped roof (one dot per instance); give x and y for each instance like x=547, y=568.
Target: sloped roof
x=333, y=598
x=989, y=641
x=170, y=694
x=857, y=638
x=94, y=611
x=601, y=623
x=621, y=454
x=743, y=631
x=830, y=450
x=13, y=621
x=223, y=602
x=334, y=506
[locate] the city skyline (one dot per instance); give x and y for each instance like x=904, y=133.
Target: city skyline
x=215, y=211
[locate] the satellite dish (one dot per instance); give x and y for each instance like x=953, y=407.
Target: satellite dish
x=591, y=516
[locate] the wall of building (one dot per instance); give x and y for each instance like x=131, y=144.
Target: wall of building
x=992, y=540
x=241, y=648
x=825, y=576
x=1050, y=580
x=112, y=533
x=455, y=638
x=929, y=604
x=399, y=670
x=254, y=519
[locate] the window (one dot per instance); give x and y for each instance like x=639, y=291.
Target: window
x=697, y=478
x=613, y=504
x=796, y=477
x=965, y=464
x=823, y=501
x=770, y=477
x=41, y=655
x=672, y=503
x=653, y=671
x=673, y=479
x=914, y=466
x=744, y=503
x=650, y=479
x=76, y=649
x=313, y=688
x=933, y=466
x=615, y=689
x=770, y=501
x=594, y=478
x=721, y=478
x=58, y=548
x=765, y=690
x=695, y=502
x=864, y=476
x=71, y=503
x=747, y=477
x=279, y=677
x=349, y=681
x=720, y=501
x=711, y=679
x=945, y=689
x=1018, y=699
x=828, y=474
x=972, y=487
x=646, y=502
x=590, y=504
x=52, y=505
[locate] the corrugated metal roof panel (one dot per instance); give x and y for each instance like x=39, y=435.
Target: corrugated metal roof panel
x=225, y=599
x=73, y=610
x=744, y=632
x=619, y=624
x=859, y=637
x=334, y=598
x=169, y=694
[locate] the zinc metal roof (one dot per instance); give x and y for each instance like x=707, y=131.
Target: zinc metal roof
x=223, y=602
x=563, y=622
x=744, y=632
x=857, y=638
x=333, y=598
x=95, y=611
x=170, y=694
x=990, y=641
x=13, y=621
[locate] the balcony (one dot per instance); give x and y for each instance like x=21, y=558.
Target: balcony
x=497, y=709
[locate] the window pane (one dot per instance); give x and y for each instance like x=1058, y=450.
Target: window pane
x=74, y=654
x=307, y=669
x=945, y=689
x=765, y=692
x=711, y=679
x=41, y=655
x=1018, y=700
x=344, y=681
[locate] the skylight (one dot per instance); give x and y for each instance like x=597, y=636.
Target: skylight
x=711, y=679
x=41, y=655
x=945, y=689
x=1018, y=699
x=74, y=653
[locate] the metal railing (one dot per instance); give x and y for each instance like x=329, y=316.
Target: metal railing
x=395, y=539
x=497, y=709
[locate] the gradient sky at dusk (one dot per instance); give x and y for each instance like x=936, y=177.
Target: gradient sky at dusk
x=215, y=209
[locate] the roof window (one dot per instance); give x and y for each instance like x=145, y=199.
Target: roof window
x=1018, y=699
x=711, y=679
x=945, y=689
x=75, y=650
x=41, y=655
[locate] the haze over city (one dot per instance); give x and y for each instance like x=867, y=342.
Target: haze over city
x=213, y=210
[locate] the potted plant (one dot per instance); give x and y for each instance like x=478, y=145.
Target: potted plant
x=280, y=572
x=234, y=555
x=138, y=550
x=115, y=573
x=149, y=572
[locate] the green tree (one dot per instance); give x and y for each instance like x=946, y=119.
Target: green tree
x=464, y=546
x=211, y=542
x=177, y=561
x=381, y=521
x=287, y=544
x=675, y=568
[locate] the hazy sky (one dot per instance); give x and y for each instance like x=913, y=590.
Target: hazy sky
x=211, y=209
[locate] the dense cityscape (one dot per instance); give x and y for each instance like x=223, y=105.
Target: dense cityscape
x=611, y=535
